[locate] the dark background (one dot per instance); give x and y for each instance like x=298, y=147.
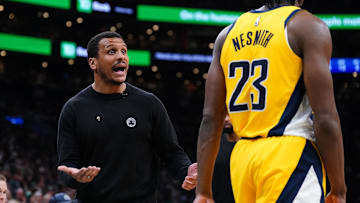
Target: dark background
x=37, y=94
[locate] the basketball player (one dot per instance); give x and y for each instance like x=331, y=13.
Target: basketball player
x=270, y=70
x=112, y=134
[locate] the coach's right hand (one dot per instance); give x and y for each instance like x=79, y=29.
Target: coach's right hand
x=83, y=175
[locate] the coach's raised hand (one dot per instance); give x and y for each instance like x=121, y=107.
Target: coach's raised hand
x=83, y=175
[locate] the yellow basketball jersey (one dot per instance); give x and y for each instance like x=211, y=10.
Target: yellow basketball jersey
x=265, y=93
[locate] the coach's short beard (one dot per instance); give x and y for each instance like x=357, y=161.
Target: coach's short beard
x=106, y=78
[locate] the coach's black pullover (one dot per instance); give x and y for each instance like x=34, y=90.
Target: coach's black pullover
x=123, y=134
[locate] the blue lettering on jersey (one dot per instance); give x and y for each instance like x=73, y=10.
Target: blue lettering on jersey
x=260, y=37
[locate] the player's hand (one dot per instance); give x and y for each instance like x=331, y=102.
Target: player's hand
x=332, y=198
x=202, y=199
x=83, y=175
x=191, y=178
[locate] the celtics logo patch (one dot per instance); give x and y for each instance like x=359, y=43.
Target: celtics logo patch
x=130, y=122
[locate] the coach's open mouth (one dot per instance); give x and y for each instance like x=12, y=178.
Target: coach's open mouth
x=116, y=69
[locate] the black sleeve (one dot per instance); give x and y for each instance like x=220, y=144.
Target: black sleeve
x=68, y=146
x=166, y=143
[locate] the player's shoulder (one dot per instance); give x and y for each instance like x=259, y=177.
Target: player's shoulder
x=304, y=21
x=310, y=18
x=306, y=28
x=220, y=39
x=223, y=33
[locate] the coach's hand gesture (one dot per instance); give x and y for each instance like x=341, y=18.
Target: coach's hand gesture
x=83, y=175
x=191, y=179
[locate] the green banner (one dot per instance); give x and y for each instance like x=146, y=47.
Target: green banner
x=25, y=44
x=84, y=6
x=62, y=4
x=68, y=49
x=186, y=15
x=139, y=58
x=341, y=21
x=223, y=18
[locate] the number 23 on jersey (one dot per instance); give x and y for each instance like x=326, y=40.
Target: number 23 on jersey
x=248, y=77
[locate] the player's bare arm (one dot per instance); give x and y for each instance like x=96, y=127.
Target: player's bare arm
x=316, y=50
x=212, y=122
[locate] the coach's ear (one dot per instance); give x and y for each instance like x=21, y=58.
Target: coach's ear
x=92, y=63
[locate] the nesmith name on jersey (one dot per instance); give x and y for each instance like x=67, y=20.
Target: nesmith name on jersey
x=260, y=37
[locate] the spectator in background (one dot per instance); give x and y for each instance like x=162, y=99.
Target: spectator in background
x=36, y=197
x=61, y=198
x=222, y=191
x=20, y=195
x=3, y=189
x=47, y=197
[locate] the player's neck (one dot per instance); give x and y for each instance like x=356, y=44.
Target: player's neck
x=265, y=7
x=283, y=3
x=109, y=88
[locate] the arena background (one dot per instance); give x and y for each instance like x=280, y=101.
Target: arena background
x=43, y=63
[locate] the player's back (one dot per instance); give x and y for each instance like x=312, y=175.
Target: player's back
x=265, y=93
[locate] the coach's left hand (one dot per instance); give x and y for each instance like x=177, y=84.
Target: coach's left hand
x=191, y=178
x=83, y=175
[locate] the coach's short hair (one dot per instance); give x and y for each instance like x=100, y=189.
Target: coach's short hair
x=93, y=44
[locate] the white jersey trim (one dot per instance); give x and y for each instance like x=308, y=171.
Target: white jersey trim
x=302, y=124
x=310, y=190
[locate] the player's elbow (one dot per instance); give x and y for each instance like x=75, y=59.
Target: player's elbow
x=208, y=116
x=211, y=123
x=208, y=121
x=212, y=119
x=214, y=114
x=327, y=125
